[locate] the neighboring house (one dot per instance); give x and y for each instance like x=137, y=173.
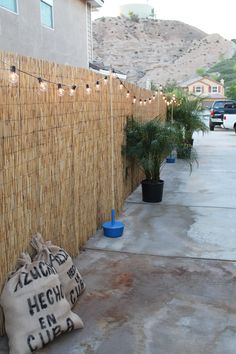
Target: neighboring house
x=209, y=89
x=54, y=30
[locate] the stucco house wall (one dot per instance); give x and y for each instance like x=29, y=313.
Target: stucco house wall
x=67, y=43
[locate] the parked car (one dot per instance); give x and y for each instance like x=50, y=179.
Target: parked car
x=217, y=113
x=230, y=116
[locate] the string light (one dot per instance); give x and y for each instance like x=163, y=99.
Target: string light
x=88, y=89
x=13, y=77
x=105, y=80
x=60, y=90
x=43, y=85
x=72, y=90
x=161, y=90
x=97, y=85
x=113, y=74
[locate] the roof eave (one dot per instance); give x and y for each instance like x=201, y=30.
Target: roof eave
x=96, y=3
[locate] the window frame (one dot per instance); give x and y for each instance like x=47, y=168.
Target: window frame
x=51, y=4
x=214, y=87
x=7, y=9
x=198, y=89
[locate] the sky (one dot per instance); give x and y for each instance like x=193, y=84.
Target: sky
x=209, y=16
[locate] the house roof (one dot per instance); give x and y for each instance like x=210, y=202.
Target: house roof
x=190, y=81
x=210, y=96
x=105, y=70
x=198, y=79
x=96, y=3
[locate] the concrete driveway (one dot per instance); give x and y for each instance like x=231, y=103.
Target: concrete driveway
x=168, y=286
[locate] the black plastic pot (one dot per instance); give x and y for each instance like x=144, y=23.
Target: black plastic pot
x=152, y=191
x=190, y=142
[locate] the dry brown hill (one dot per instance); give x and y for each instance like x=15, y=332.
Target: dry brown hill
x=157, y=50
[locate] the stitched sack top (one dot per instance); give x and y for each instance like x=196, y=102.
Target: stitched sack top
x=71, y=280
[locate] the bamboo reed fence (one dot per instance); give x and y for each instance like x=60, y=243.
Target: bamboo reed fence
x=55, y=156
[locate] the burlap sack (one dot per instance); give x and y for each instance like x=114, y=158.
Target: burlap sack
x=71, y=280
x=35, y=308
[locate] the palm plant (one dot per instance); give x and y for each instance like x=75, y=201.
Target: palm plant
x=187, y=118
x=149, y=143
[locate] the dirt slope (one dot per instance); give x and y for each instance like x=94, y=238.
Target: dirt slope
x=157, y=50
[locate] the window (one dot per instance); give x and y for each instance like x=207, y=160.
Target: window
x=198, y=89
x=10, y=5
x=214, y=89
x=46, y=10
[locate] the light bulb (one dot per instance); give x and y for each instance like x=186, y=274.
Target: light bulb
x=105, y=80
x=121, y=86
x=97, y=86
x=153, y=97
x=60, y=90
x=72, y=90
x=140, y=102
x=43, y=85
x=156, y=92
x=150, y=100
x=13, y=77
x=88, y=89
x=145, y=102
x=127, y=94
x=134, y=99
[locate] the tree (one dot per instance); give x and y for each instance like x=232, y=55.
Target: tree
x=133, y=17
x=201, y=71
x=231, y=92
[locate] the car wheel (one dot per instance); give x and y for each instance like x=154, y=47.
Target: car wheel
x=212, y=127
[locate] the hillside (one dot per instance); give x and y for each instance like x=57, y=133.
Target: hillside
x=157, y=50
x=226, y=69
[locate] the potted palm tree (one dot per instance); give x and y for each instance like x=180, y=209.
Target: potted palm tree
x=149, y=143
x=187, y=119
